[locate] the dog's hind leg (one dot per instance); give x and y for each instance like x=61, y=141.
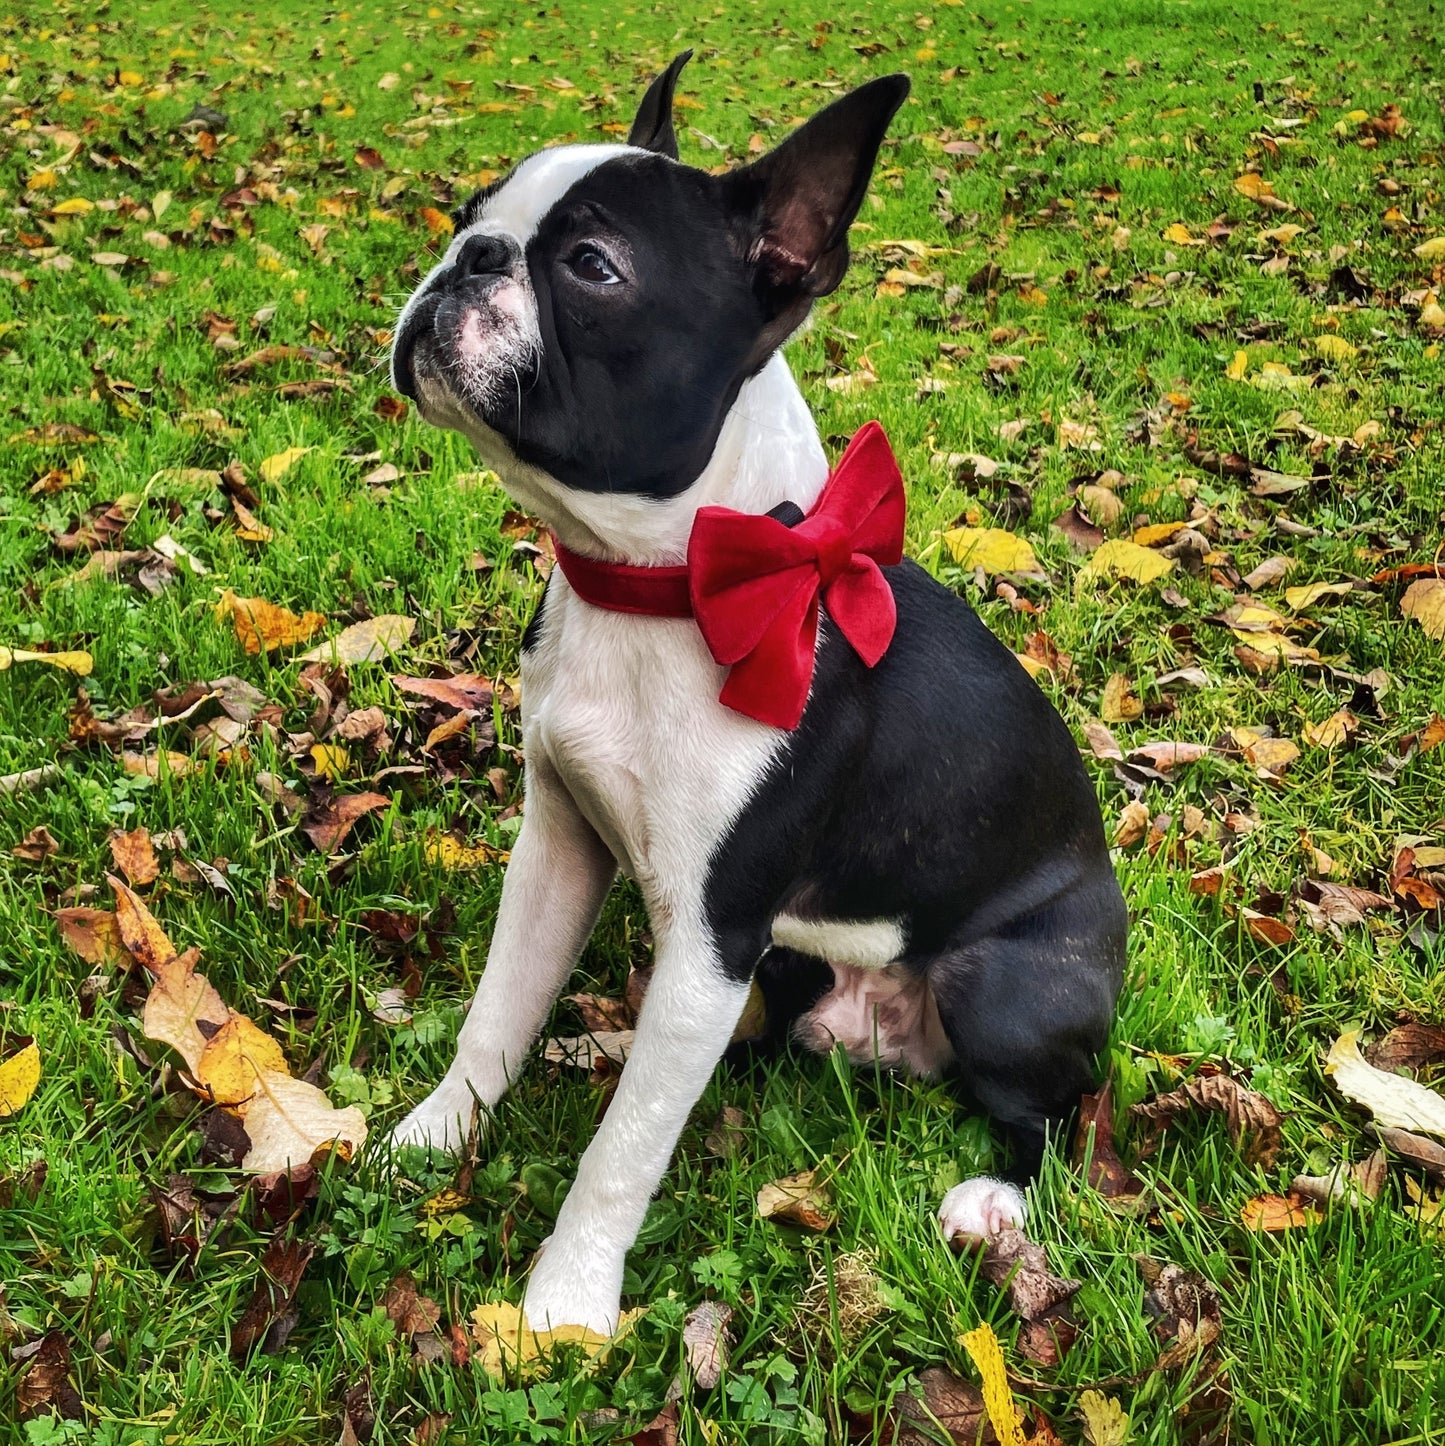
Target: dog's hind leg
x=558, y=876
x=1027, y=1009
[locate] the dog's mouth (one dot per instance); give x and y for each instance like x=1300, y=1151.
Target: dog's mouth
x=472, y=346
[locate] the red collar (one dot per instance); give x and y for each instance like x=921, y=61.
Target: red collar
x=754, y=584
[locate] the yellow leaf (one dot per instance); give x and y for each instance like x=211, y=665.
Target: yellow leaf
x=331, y=759
x=18, y=1077
x=79, y=663
x=1282, y=234
x=998, y=1401
x=1119, y=703
x=1159, y=532
x=160, y=204
x=234, y=1059
x=1299, y=598
x=1237, y=367
x=364, y=642
x=1266, y=755
x=1403, y=1104
x=1431, y=250
x=290, y=1122
x=1424, y=601
x=437, y=222
x=131, y=77
x=275, y=467
x=1180, y=235
x=801, y=1199
x=1105, y=1421
x=75, y=206
x=1260, y=191
x=262, y=625
x=444, y=851
x=1271, y=1214
x=1357, y=116
x=1118, y=558
x=991, y=548
x=1335, y=348
x=45, y=180
x=507, y=1344
x=1334, y=732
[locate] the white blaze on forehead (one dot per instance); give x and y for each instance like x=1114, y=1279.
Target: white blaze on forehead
x=516, y=209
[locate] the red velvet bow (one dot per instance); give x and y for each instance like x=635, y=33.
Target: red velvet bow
x=754, y=584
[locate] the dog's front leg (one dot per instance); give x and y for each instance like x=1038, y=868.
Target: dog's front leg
x=687, y=1019
x=557, y=878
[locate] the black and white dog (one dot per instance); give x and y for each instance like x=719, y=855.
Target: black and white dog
x=918, y=868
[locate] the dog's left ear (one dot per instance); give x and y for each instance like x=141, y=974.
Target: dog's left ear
x=796, y=203
x=652, y=127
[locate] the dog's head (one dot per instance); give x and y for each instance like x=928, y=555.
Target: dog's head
x=600, y=305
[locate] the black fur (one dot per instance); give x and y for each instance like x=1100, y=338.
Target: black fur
x=942, y=789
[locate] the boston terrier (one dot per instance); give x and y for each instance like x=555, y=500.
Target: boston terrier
x=822, y=770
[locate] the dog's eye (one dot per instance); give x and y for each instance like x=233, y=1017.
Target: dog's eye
x=590, y=265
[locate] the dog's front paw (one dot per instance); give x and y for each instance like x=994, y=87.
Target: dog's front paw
x=562, y=1291
x=440, y=1122
x=981, y=1209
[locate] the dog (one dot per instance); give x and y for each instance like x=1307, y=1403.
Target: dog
x=875, y=813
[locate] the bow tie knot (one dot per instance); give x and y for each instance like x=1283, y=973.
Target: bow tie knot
x=755, y=585
x=834, y=543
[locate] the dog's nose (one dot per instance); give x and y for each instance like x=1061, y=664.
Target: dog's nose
x=487, y=255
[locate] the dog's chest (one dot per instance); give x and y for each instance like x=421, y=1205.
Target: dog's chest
x=625, y=710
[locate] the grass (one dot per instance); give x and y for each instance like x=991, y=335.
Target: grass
x=1088, y=130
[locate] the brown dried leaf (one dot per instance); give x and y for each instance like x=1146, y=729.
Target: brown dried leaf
x=46, y=1388
x=803, y=1199
x=463, y=691
x=1271, y=1214
x=134, y=856
x=1363, y=1180
x=1253, y=1121
x=37, y=846
x=1094, y=1141
x=1416, y=1149
x=600, y=1013
x=270, y=1316
x=411, y=1313
x=142, y=936
x=1013, y=1262
x=1408, y=1046
x=327, y=826
x=1185, y=1308
x=705, y=1338
x=949, y=1402
x=92, y=933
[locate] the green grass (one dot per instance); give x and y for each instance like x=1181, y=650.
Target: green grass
x=1086, y=118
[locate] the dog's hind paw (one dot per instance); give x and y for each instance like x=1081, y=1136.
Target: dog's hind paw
x=982, y=1208
x=440, y=1123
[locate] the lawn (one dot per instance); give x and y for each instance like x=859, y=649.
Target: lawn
x=1123, y=265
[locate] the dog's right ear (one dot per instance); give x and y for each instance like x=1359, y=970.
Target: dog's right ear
x=652, y=128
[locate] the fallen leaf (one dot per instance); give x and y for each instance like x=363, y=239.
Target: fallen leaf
x=991, y=548
x=1094, y=1143
x=327, y=826
x=1120, y=704
x=269, y=1317
x=705, y=1341
x=1258, y=190
x=1105, y=1421
x=364, y=642
x=1409, y=1046
x=1238, y=366
x=1167, y=755
x=1266, y=929
x=275, y=467
x=263, y=626
x=411, y=1313
x=92, y=933
x=1415, y=1149
x=234, y=1059
x=46, y=1388
x=180, y=1002
x=1013, y=1262
x=1132, y=826
x=1334, y=348
x=1271, y=1214
x=1424, y=600
x=1393, y=1100
x=1119, y=558
x=508, y=1345
x=1334, y=732
x=134, y=856
x=1431, y=250
x=19, y=1074
x=1185, y=1308
x=1299, y=598
x=1254, y=1123
x=954, y=1404
x=801, y=1199
x=37, y=846
x=79, y=663
x=588, y=1051
x=982, y=1345
x=290, y=1122
x=1363, y=1180
x=447, y=852
x=142, y=936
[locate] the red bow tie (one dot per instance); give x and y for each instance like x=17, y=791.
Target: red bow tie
x=754, y=584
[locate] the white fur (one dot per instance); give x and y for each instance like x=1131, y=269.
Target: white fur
x=888, y=1015
x=863, y=943
x=982, y=1208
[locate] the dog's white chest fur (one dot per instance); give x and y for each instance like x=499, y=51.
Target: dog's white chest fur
x=625, y=710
